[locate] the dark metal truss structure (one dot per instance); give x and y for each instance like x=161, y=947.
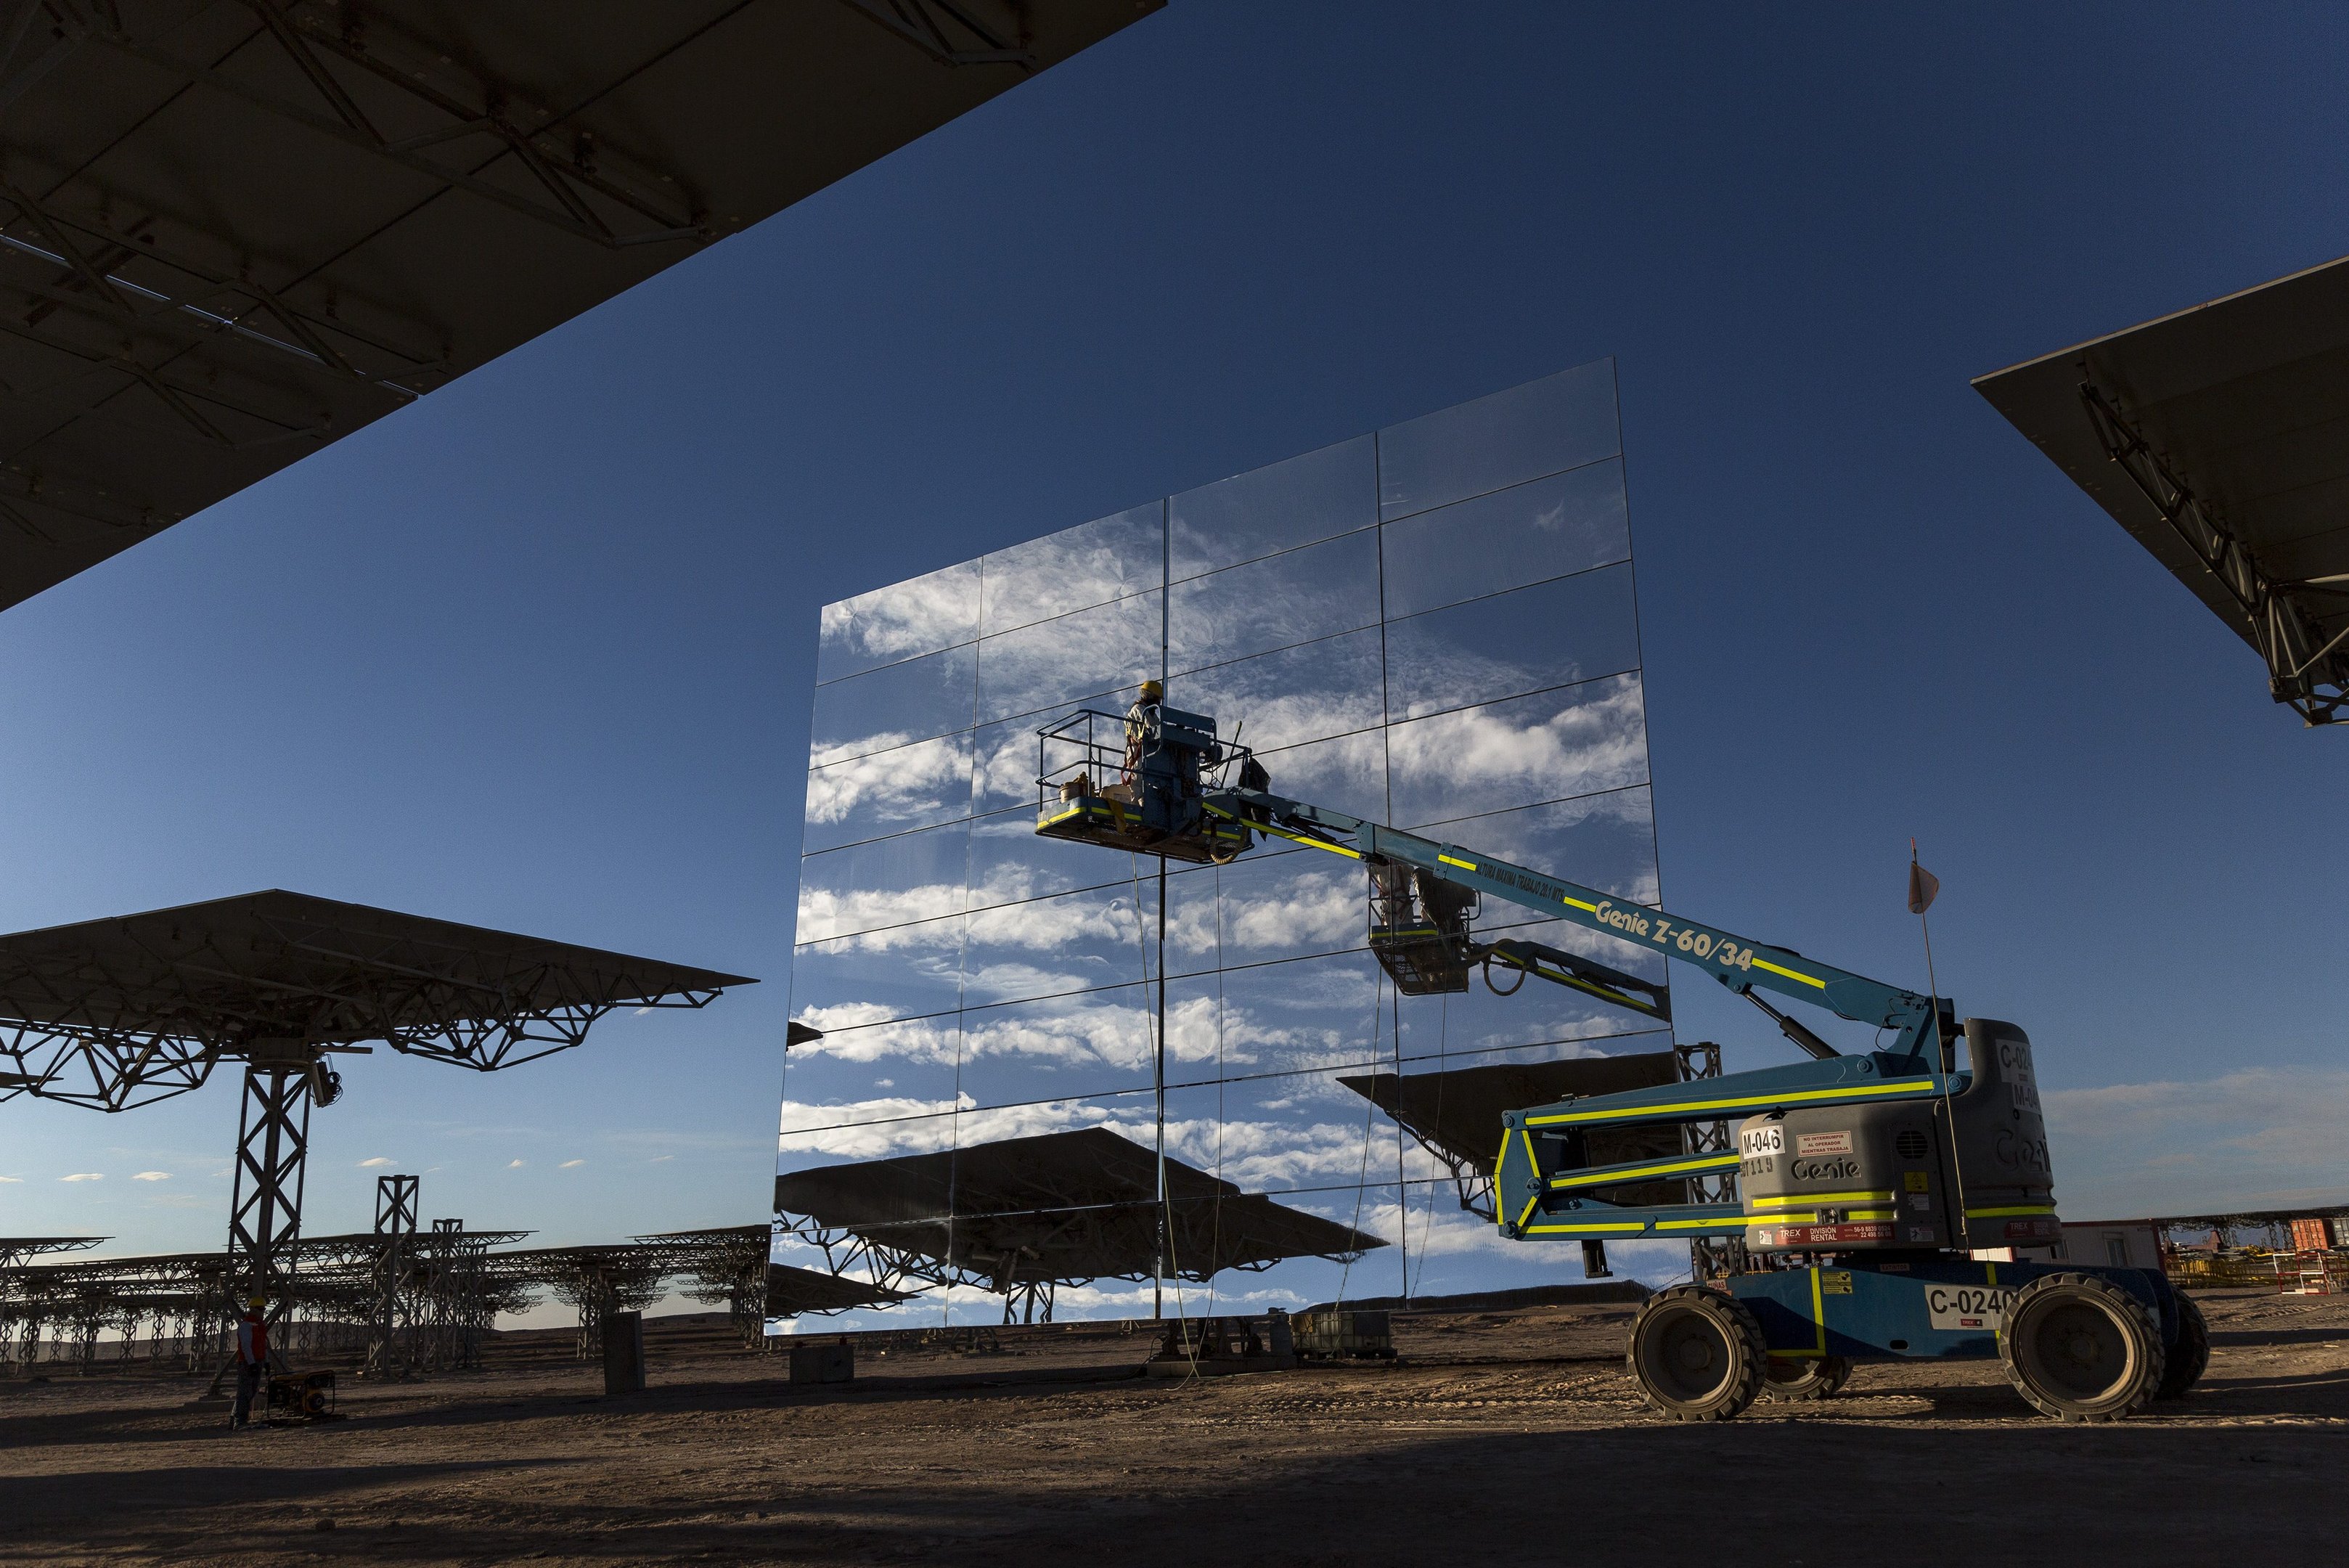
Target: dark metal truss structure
x=16, y=1249
x=178, y=1309
x=1019, y=1217
x=121, y=1012
x=2219, y=437
x=403, y=1298
x=2308, y=664
x=233, y=231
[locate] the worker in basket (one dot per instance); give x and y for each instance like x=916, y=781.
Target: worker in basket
x=252, y=1361
x=1141, y=721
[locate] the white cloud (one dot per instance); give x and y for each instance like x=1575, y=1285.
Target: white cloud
x=153, y=1176
x=905, y=618
x=571, y=1165
x=2264, y=1138
x=1511, y=753
x=85, y=1176
x=15, y=1180
x=371, y=1164
x=897, y=780
x=514, y=1165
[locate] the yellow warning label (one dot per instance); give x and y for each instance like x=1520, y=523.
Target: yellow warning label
x=1913, y=1180
x=1835, y=1282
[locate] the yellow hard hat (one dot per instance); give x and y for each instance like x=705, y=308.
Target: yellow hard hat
x=1153, y=691
x=257, y=1302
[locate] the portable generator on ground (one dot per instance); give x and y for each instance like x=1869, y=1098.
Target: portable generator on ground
x=302, y=1395
x=1870, y=1185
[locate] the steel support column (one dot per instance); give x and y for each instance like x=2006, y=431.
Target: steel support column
x=389, y=1354
x=265, y=1213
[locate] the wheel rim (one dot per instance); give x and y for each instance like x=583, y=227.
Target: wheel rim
x=1686, y=1356
x=1784, y=1373
x=2077, y=1351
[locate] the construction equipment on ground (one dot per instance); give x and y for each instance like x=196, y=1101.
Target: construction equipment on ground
x=1868, y=1182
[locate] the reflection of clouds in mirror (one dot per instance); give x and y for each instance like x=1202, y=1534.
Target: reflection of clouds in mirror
x=1593, y=737
x=1045, y=925
x=853, y=1034
x=1058, y=661
x=893, y=787
x=919, y=616
x=1311, y=909
x=1528, y=639
x=1551, y=529
x=1277, y=507
x=877, y=914
x=1073, y=570
x=1325, y=688
x=1318, y=591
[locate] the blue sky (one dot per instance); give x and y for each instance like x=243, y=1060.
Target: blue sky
x=536, y=652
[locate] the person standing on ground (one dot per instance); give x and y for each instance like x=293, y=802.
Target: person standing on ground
x=252, y=1361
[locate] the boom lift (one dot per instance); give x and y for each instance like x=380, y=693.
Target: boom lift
x=1868, y=1182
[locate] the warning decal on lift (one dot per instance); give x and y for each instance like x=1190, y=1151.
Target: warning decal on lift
x=1823, y=1142
x=1979, y=1307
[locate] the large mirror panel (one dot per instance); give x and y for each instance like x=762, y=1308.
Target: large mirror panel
x=1574, y=628
x=1273, y=508
x=1553, y=744
x=1076, y=568
x=921, y=615
x=1550, y=528
x=1055, y=663
x=1558, y=422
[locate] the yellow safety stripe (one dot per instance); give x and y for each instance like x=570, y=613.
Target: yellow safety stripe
x=1859, y=1214
x=1799, y=1097
x=1753, y=1219
x=2001, y=1213
x=1790, y=974
x=1818, y=1311
x=1528, y=1212
x=1463, y=864
x=1823, y=1197
x=1072, y=811
x=1626, y=1227
x=1577, y=904
x=1635, y=1172
x=1306, y=839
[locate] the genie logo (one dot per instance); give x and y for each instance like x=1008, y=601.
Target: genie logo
x=1843, y=1169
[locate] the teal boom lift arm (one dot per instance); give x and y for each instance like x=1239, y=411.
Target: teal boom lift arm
x=1542, y=1187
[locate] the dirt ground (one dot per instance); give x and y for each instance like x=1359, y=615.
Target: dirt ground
x=1498, y=1432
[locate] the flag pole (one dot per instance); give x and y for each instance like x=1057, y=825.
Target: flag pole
x=1923, y=887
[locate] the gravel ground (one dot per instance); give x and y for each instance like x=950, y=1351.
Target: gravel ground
x=1498, y=1432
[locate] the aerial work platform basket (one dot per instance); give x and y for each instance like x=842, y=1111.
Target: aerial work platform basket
x=1134, y=782
x=1420, y=929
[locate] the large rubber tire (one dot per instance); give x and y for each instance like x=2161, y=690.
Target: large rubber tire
x=1696, y=1354
x=2190, y=1357
x=2080, y=1348
x=1809, y=1378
